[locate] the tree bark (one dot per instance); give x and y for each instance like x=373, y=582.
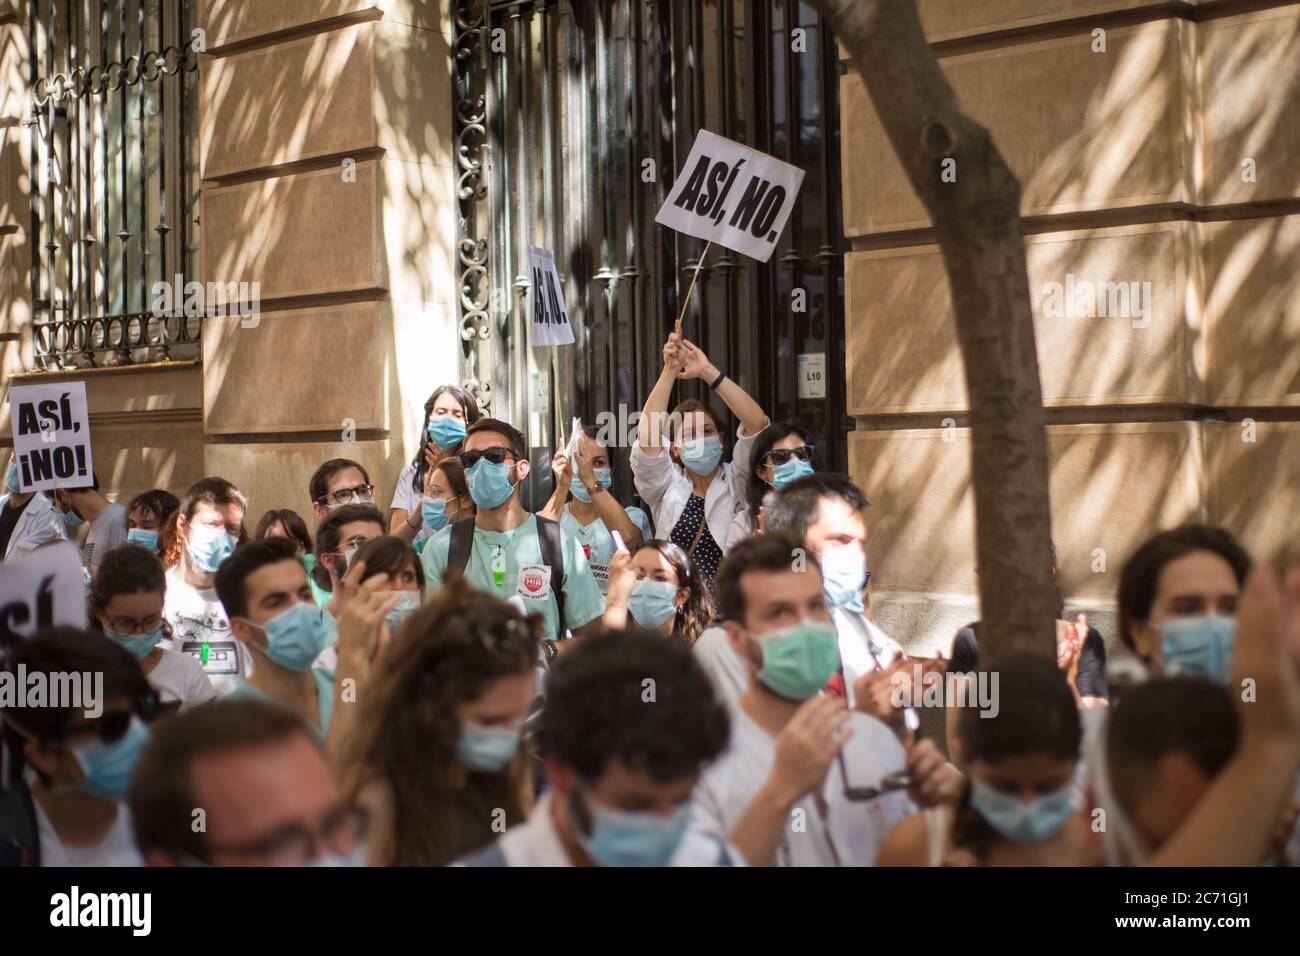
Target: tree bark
x=977, y=223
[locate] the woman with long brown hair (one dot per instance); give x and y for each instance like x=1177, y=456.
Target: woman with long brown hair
x=449, y=411
x=436, y=757
x=656, y=583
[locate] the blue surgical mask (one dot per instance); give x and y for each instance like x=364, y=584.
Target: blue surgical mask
x=489, y=483
x=407, y=602
x=844, y=574
x=296, y=636
x=11, y=478
x=434, y=513
x=139, y=645
x=446, y=431
x=651, y=602
x=208, y=547
x=702, y=455
x=108, y=767
x=798, y=660
x=327, y=860
x=604, y=478
x=1198, y=646
x=782, y=475
x=145, y=539
x=72, y=519
x=624, y=838
x=1020, y=821
x=486, y=749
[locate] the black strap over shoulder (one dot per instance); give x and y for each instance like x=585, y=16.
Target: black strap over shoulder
x=20, y=843
x=548, y=539
x=459, y=548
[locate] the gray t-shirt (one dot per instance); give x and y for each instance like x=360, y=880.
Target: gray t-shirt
x=107, y=532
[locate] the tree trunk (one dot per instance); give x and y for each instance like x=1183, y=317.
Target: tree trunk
x=977, y=223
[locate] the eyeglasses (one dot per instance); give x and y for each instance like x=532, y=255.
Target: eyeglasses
x=127, y=625
x=297, y=845
x=496, y=454
x=344, y=495
x=779, y=456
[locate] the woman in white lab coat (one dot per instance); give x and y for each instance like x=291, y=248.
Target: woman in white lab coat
x=37, y=524
x=697, y=500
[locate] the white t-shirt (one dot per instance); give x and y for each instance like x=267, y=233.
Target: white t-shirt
x=107, y=532
x=852, y=831
x=727, y=669
x=597, y=542
x=116, y=849
x=408, y=499
x=197, y=618
x=179, y=677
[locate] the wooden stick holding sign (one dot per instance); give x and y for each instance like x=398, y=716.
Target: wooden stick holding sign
x=677, y=329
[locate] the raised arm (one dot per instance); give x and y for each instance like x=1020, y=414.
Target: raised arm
x=650, y=428
x=697, y=365
x=607, y=506
x=554, y=507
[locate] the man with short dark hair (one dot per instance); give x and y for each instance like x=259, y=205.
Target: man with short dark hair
x=265, y=790
x=107, y=520
x=508, y=552
x=339, y=482
x=777, y=794
x=629, y=725
x=209, y=524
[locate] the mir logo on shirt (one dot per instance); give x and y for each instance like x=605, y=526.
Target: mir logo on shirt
x=533, y=582
x=103, y=909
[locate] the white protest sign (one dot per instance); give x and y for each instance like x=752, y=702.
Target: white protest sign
x=732, y=195
x=40, y=590
x=51, y=428
x=550, y=320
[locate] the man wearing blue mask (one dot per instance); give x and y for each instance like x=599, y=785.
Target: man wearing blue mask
x=263, y=588
x=268, y=793
x=27, y=521
x=69, y=760
x=209, y=526
x=778, y=794
x=508, y=552
x=107, y=519
x=621, y=796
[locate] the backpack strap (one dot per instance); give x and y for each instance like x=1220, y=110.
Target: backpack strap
x=548, y=539
x=459, y=548
x=20, y=842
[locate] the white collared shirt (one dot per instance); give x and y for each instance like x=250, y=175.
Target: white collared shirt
x=39, y=524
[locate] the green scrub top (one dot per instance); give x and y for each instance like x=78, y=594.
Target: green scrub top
x=324, y=697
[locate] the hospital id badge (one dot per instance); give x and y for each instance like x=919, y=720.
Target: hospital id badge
x=534, y=582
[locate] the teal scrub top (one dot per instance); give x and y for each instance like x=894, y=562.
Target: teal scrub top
x=324, y=697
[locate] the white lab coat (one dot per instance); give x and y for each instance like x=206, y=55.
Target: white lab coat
x=663, y=485
x=39, y=524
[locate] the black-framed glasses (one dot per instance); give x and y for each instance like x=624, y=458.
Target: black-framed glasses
x=344, y=495
x=297, y=845
x=779, y=456
x=127, y=625
x=497, y=455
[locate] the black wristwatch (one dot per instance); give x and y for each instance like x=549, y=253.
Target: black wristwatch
x=550, y=650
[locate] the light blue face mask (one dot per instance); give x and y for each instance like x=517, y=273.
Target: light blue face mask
x=795, y=468
x=1198, y=646
x=624, y=838
x=798, y=660
x=143, y=538
x=486, y=749
x=702, y=455
x=446, y=431
x=434, y=513
x=72, y=519
x=108, y=767
x=489, y=484
x=1018, y=821
x=208, y=547
x=844, y=574
x=651, y=602
x=296, y=636
x=139, y=645
x=604, y=478
x=407, y=602
x=327, y=860
x=11, y=478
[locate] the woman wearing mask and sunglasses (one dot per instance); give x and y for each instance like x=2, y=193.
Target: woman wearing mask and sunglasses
x=126, y=600
x=697, y=500
x=449, y=411
x=783, y=452
x=64, y=803
x=436, y=756
x=656, y=584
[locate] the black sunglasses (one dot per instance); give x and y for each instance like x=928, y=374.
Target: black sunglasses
x=779, y=456
x=496, y=454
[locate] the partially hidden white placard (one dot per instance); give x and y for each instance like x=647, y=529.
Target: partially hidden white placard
x=550, y=318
